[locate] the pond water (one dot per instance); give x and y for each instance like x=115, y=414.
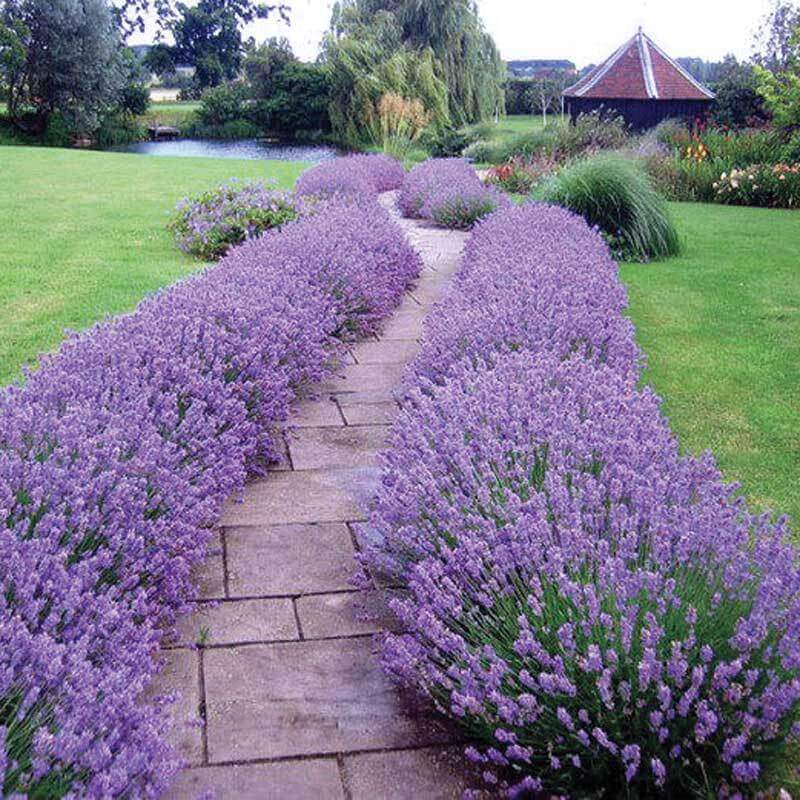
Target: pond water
x=240, y=148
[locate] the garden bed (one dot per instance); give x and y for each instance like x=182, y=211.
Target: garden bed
x=116, y=457
x=597, y=610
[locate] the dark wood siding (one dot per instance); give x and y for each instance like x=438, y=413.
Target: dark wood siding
x=639, y=114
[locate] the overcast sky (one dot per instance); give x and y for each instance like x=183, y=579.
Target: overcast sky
x=583, y=31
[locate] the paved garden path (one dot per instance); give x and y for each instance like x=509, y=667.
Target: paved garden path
x=287, y=684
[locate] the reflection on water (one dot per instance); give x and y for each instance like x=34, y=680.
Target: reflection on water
x=240, y=148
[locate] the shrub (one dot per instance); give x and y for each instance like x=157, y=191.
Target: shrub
x=519, y=176
x=223, y=104
x=460, y=207
x=765, y=185
x=446, y=142
x=208, y=225
x=601, y=614
x=115, y=460
x=598, y=130
x=396, y=122
x=449, y=192
x=353, y=175
x=503, y=304
x=613, y=193
x=483, y=152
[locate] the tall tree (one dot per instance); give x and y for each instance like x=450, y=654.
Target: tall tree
x=208, y=37
x=60, y=56
x=132, y=15
x=778, y=64
x=737, y=99
x=466, y=57
x=777, y=45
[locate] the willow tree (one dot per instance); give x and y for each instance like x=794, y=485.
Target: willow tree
x=465, y=56
x=371, y=61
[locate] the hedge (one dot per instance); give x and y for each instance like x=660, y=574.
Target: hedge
x=600, y=612
x=116, y=457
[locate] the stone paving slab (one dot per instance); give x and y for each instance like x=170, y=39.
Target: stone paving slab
x=322, y=448
x=425, y=774
x=370, y=413
x=398, y=351
x=316, y=414
x=377, y=378
x=210, y=576
x=310, y=779
x=308, y=698
x=180, y=675
x=289, y=559
x=237, y=621
x=405, y=324
x=284, y=498
x=327, y=615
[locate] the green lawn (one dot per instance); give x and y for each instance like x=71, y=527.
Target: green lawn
x=84, y=236
x=516, y=124
x=721, y=329
x=175, y=114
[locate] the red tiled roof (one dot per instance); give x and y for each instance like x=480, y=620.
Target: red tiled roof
x=639, y=70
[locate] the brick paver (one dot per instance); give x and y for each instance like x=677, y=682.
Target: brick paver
x=281, y=690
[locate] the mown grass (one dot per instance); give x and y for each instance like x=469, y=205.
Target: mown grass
x=513, y=125
x=84, y=236
x=720, y=325
x=177, y=115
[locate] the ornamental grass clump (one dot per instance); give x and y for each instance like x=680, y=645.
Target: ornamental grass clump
x=356, y=175
x=116, y=457
x=449, y=192
x=615, y=194
x=600, y=613
x=208, y=225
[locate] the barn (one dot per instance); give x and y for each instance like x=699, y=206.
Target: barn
x=640, y=82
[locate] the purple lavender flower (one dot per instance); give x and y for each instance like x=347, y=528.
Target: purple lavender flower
x=541, y=517
x=116, y=457
x=357, y=175
x=449, y=192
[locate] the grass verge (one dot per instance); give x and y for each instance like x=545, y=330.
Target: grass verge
x=84, y=236
x=720, y=325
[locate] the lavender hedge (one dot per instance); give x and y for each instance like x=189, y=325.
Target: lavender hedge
x=449, y=192
x=555, y=289
x=208, y=225
x=601, y=613
x=115, y=459
x=359, y=175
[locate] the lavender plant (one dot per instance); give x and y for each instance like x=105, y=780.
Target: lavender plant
x=602, y=614
x=208, y=225
x=449, y=192
x=115, y=459
x=554, y=287
x=356, y=175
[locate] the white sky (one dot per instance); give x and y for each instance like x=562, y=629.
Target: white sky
x=583, y=31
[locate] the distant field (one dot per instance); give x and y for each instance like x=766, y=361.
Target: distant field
x=84, y=236
x=173, y=114
x=519, y=123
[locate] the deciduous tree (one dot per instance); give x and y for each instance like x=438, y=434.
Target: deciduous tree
x=60, y=56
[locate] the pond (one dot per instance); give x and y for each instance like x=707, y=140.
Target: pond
x=239, y=148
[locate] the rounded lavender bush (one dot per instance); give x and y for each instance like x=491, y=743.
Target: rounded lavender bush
x=116, y=457
x=598, y=612
x=208, y=225
x=449, y=192
x=363, y=174
x=534, y=277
